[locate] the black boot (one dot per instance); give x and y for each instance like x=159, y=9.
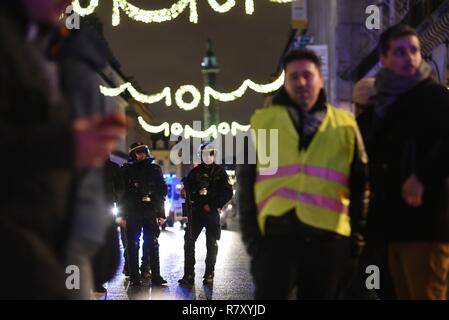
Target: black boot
x=153, y=253
x=187, y=280
x=208, y=279
x=189, y=257
x=157, y=280
x=211, y=257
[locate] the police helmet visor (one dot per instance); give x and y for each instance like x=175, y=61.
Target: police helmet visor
x=141, y=148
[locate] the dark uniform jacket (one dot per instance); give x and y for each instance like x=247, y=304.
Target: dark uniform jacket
x=215, y=179
x=114, y=184
x=140, y=178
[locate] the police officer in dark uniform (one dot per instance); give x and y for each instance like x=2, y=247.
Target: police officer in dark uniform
x=207, y=190
x=143, y=205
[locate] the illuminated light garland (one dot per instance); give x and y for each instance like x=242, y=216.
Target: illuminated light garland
x=165, y=127
x=150, y=16
x=114, y=92
x=177, y=129
x=221, y=8
x=190, y=132
x=224, y=128
x=195, y=94
x=249, y=6
x=166, y=14
x=241, y=127
x=193, y=17
x=150, y=99
x=85, y=11
x=208, y=92
x=231, y=96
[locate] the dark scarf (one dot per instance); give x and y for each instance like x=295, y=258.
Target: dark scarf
x=390, y=86
x=306, y=123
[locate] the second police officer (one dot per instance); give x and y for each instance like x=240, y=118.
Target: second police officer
x=208, y=190
x=143, y=206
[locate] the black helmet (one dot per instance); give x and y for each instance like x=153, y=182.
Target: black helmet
x=136, y=147
x=207, y=146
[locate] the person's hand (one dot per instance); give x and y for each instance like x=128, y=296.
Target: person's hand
x=183, y=193
x=412, y=191
x=207, y=208
x=96, y=138
x=160, y=220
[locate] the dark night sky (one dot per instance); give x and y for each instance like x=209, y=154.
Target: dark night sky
x=170, y=53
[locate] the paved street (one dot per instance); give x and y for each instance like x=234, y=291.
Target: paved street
x=232, y=277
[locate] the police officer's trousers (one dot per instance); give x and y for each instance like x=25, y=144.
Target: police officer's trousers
x=200, y=220
x=151, y=231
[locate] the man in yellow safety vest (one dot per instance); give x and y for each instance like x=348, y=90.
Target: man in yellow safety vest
x=302, y=223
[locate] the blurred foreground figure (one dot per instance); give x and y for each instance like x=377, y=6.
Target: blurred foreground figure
x=45, y=151
x=82, y=55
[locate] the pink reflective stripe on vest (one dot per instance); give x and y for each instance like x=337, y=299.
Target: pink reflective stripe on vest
x=306, y=198
x=314, y=171
x=283, y=171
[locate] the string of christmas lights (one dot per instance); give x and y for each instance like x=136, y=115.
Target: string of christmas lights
x=236, y=94
x=177, y=129
x=194, y=92
x=166, y=14
x=150, y=99
x=87, y=10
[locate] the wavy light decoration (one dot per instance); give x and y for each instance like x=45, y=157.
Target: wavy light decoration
x=179, y=95
x=166, y=14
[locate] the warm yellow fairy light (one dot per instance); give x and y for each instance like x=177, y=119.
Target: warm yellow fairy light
x=87, y=10
x=177, y=129
x=150, y=16
x=165, y=127
x=189, y=132
x=150, y=99
x=249, y=6
x=166, y=14
x=231, y=96
x=114, y=92
x=188, y=105
x=221, y=8
x=224, y=128
x=208, y=92
x=236, y=126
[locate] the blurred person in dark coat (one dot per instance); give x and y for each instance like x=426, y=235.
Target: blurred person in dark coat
x=82, y=55
x=48, y=149
x=407, y=142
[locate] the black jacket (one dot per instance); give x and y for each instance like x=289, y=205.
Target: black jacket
x=215, y=179
x=113, y=180
x=37, y=165
x=140, y=178
x=246, y=177
x=412, y=137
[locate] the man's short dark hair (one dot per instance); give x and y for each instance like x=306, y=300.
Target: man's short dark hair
x=392, y=33
x=301, y=54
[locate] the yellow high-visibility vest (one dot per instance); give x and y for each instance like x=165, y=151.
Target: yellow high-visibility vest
x=314, y=181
